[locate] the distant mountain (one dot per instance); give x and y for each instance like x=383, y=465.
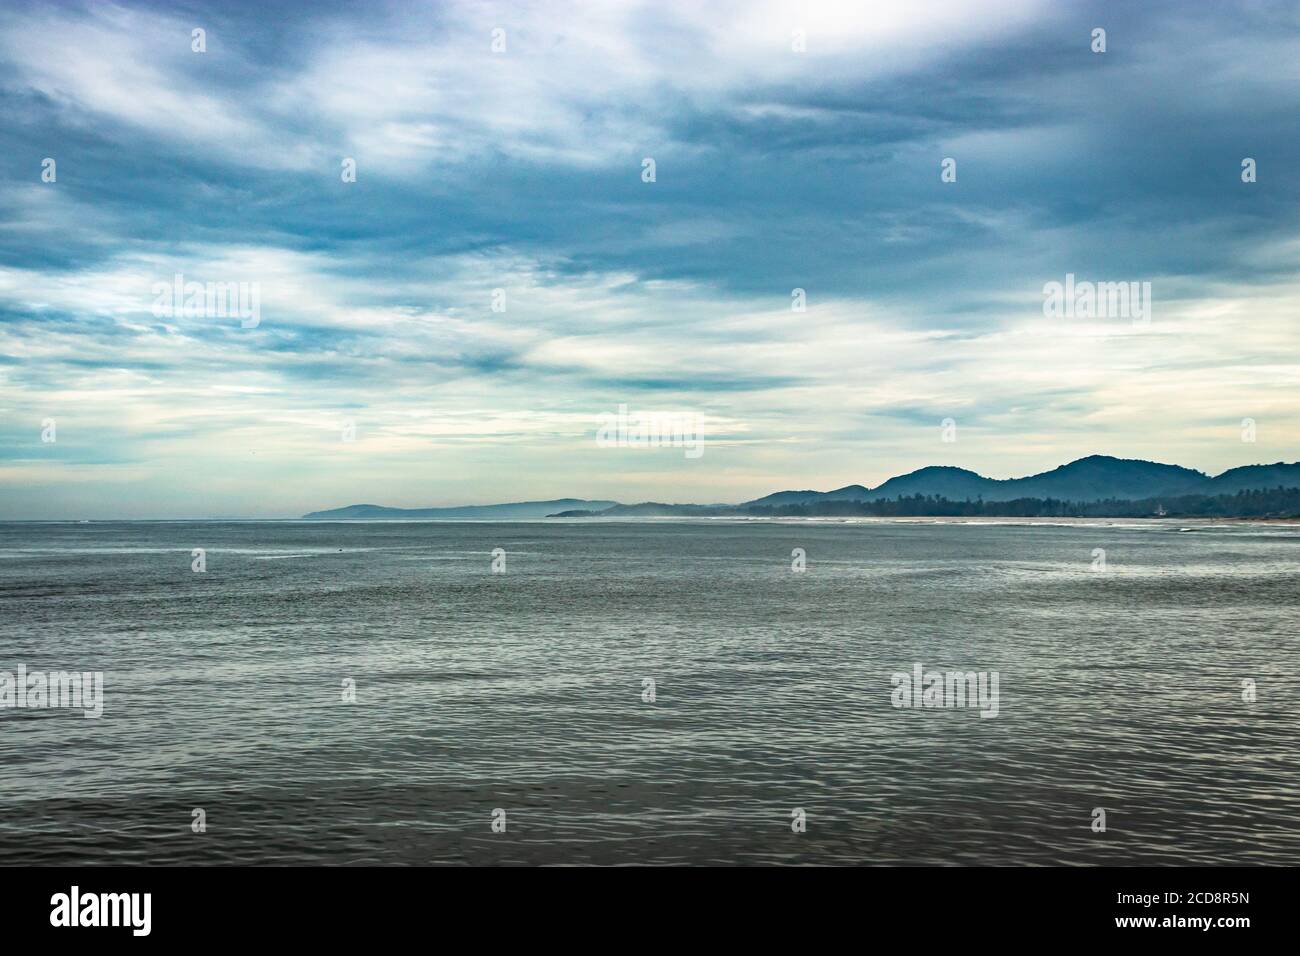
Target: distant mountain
x=847, y=493
x=1098, y=477
x=1266, y=503
x=650, y=509
x=1095, y=478
x=1249, y=477
x=955, y=483
x=508, y=512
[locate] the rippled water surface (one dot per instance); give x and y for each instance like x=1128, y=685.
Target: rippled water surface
x=522, y=691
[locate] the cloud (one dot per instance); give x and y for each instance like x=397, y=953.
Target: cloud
x=514, y=179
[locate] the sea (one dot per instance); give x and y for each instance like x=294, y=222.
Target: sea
x=721, y=692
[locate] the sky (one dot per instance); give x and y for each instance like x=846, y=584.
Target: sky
x=450, y=327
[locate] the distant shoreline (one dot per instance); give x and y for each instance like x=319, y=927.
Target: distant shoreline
x=1097, y=486
x=669, y=519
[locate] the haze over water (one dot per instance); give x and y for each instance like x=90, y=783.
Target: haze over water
x=523, y=691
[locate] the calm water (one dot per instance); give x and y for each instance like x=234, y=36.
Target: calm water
x=523, y=691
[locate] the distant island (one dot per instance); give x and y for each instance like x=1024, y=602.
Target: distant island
x=1097, y=486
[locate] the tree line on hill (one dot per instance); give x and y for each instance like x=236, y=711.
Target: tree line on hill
x=1263, y=503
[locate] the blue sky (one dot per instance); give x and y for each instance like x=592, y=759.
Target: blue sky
x=521, y=170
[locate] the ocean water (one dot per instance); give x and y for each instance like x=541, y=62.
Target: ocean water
x=522, y=692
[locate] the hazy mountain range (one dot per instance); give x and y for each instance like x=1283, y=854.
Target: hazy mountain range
x=1091, y=479
x=507, y=512
x=1094, y=478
